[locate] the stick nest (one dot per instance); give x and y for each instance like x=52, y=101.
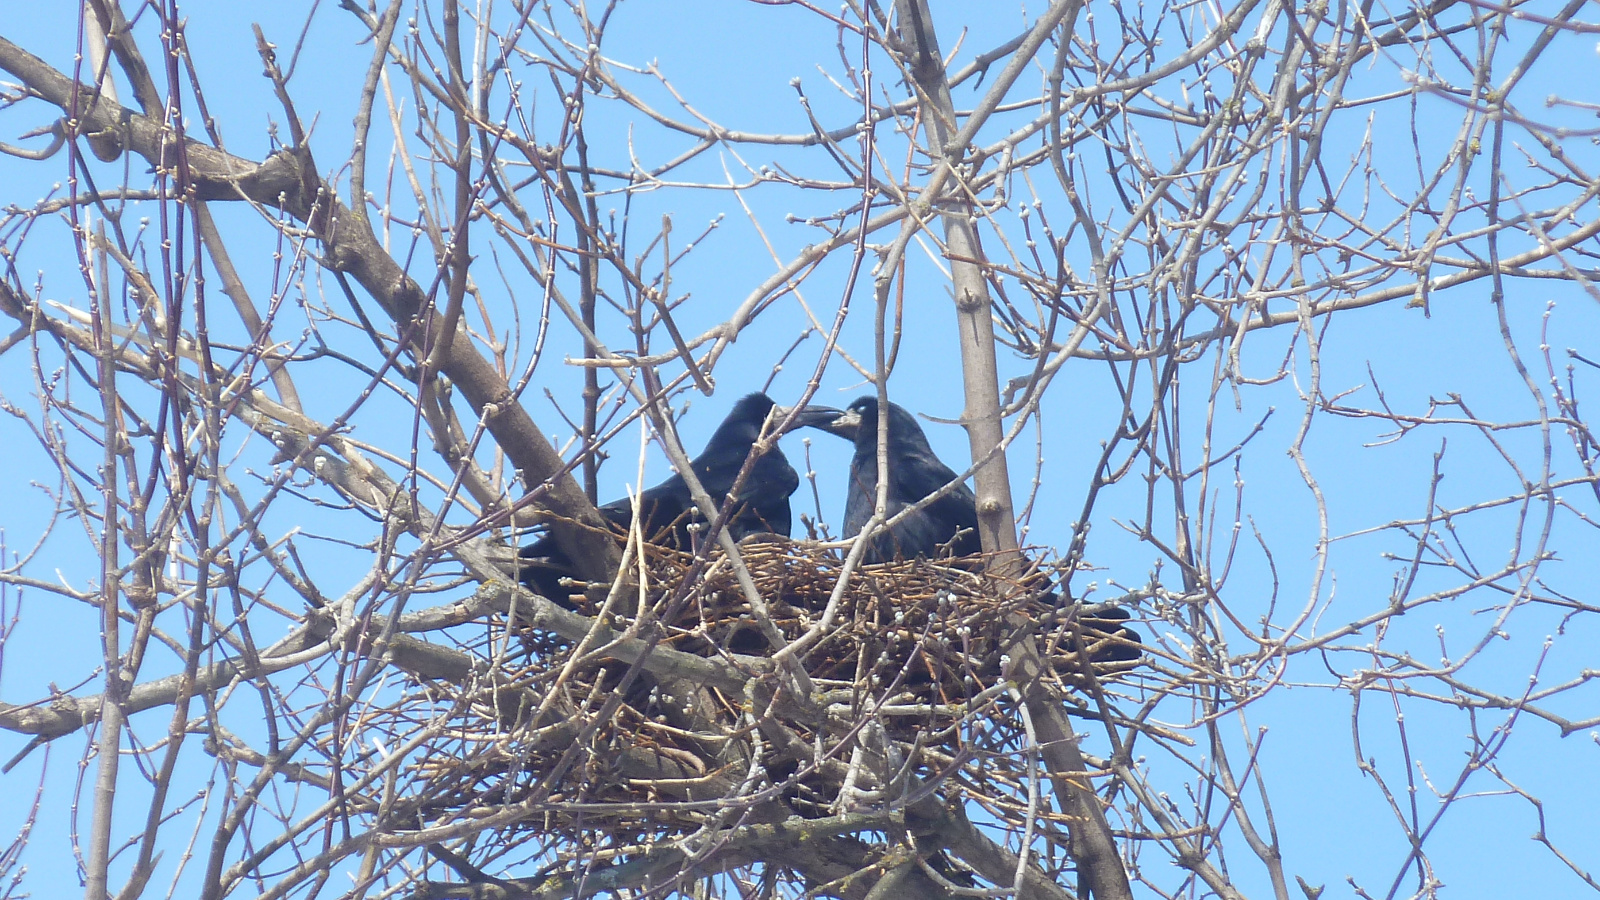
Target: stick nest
x=573, y=742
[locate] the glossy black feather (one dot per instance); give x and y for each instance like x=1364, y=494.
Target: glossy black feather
x=666, y=510
x=914, y=473
x=947, y=525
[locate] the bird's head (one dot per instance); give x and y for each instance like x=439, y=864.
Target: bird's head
x=752, y=407
x=845, y=423
x=744, y=421
x=859, y=423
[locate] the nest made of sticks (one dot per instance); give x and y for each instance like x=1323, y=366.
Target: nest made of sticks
x=917, y=646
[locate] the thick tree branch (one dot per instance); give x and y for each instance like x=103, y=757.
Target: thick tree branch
x=1093, y=846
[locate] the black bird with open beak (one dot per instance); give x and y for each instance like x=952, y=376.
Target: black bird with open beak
x=667, y=511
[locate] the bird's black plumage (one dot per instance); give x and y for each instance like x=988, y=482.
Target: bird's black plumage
x=667, y=510
x=947, y=525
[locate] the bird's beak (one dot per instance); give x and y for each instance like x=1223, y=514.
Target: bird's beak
x=845, y=423
x=823, y=417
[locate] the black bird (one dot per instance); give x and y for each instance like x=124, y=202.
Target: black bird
x=666, y=511
x=947, y=525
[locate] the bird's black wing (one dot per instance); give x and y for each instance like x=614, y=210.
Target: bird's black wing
x=764, y=498
x=921, y=533
x=542, y=564
x=861, y=495
x=889, y=543
x=917, y=473
x=665, y=513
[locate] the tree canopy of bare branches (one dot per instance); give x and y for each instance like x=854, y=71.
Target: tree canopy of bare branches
x=1267, y=323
